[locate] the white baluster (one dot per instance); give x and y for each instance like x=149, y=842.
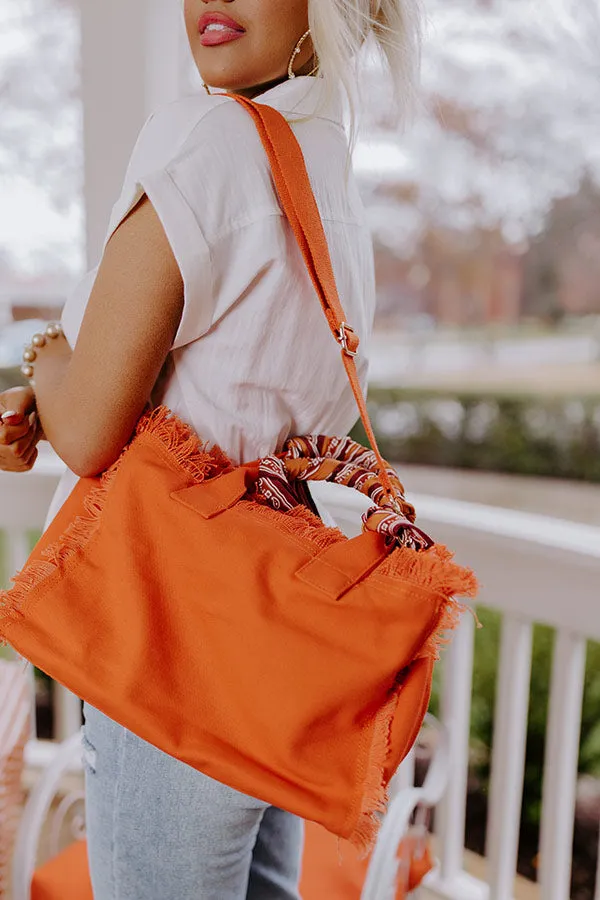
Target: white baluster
x=33, y=719
x=560, y=769
x=67, y=713
x=456, y=716
x=508, y=755
x=404, y=777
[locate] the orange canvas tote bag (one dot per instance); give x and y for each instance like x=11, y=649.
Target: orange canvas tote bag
x=199, y=606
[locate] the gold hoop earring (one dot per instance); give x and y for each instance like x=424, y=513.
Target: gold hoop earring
x=297, y=49
x=207, y=89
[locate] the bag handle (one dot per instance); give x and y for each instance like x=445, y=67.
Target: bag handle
x=298, y=201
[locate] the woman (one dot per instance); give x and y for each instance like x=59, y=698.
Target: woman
x=201, y=301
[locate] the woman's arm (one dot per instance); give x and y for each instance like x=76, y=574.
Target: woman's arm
x=90, y=399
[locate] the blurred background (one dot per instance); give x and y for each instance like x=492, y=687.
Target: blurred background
x=485, y=364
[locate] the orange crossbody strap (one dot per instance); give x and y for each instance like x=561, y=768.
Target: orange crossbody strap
x=299, y=204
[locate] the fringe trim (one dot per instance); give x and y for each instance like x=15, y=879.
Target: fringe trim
x=375, y=793
x=183, y=447
x=435, y=569
x=299, y=521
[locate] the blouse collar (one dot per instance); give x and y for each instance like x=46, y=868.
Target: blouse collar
x=305, y=96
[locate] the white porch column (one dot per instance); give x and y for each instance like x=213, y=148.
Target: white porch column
x=130, y=64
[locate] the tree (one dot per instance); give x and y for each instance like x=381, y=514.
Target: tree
x=40, y=117
x=510, y=118
x=510, y=121
x=39, y=93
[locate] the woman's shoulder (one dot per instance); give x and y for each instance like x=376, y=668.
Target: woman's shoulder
x=186, y=112
x=215, y=128
x=169, y=128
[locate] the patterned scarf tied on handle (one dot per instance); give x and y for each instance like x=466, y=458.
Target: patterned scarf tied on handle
x=282, y=484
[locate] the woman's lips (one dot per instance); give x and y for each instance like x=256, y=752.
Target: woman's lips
x=217, y=29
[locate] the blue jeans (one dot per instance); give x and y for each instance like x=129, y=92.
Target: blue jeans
x=160, y=830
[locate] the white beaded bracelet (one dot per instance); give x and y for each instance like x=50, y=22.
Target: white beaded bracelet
x=38, y=341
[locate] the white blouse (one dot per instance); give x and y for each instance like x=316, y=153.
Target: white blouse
x=253, y=360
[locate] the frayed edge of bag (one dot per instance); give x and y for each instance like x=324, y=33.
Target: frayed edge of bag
x=375, y=791
x=184, y=448
x=198, y=458
x=75, y=537
x=299, y=522
x=433, y=569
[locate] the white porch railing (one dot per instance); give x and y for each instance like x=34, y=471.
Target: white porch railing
x=532, y=569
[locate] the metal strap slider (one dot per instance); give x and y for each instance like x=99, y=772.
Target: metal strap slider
x=348, y=339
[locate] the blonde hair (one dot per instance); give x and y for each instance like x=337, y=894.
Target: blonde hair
x=342, y=29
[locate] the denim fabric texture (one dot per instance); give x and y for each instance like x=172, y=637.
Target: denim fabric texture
x=160, y=830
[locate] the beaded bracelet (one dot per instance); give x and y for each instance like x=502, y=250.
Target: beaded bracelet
x=38, y=341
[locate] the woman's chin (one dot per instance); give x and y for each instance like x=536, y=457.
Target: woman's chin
x=237, y=84
x=220, y=83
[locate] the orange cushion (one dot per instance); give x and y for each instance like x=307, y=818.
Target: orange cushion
x=66, y=877
x=332, y=868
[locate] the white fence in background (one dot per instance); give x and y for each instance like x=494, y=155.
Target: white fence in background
x=532, y=569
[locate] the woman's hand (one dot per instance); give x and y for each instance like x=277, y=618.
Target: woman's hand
x=20, y=431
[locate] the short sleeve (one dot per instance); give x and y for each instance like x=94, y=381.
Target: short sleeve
x=191, y=251
x=149, y=173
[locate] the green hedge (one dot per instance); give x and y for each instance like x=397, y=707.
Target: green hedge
x=522, y=434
